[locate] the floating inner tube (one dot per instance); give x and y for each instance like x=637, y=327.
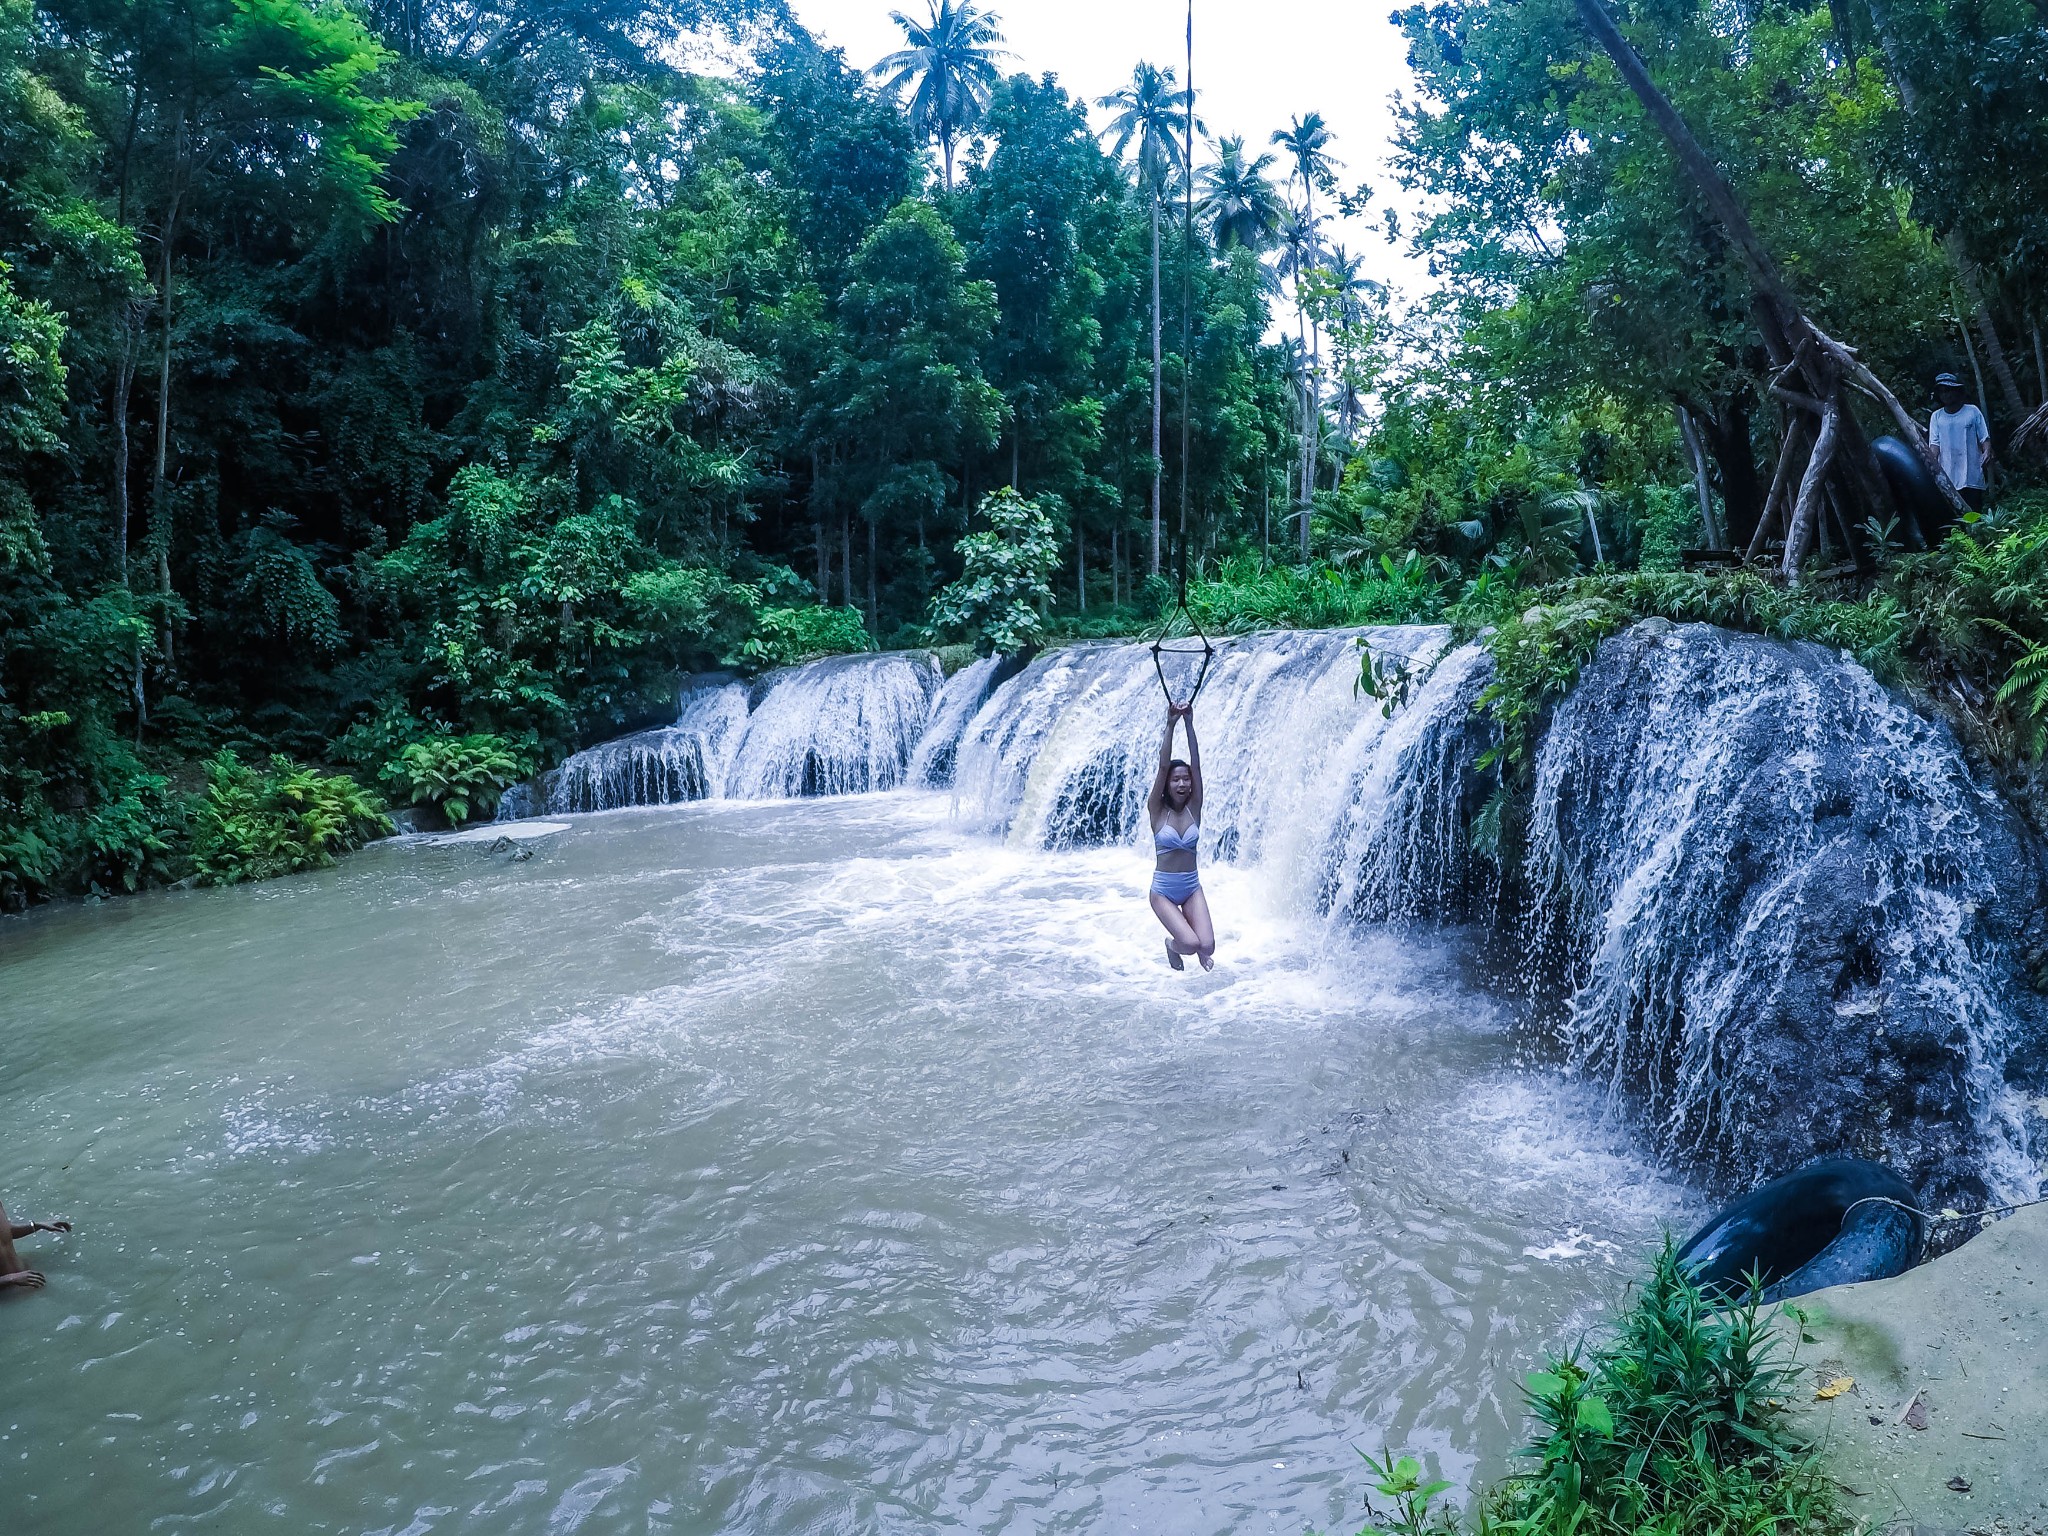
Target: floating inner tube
x=1914, y=487
x=1831, y=1223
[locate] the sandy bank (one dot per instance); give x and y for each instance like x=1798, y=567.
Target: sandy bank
x=1946, y=1427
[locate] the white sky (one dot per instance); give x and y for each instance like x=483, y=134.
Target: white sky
x=1256, y=66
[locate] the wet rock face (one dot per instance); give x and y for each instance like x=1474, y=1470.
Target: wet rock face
x=1776, y=911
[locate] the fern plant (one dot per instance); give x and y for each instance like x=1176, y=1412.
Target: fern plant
x=2024, y=693
x=258, y=823
x=459, y=776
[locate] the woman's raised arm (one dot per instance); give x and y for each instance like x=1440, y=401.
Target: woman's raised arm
x=1155, y=803
x=1194, y=762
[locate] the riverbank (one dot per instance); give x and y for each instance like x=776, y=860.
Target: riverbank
x=1944, y=1424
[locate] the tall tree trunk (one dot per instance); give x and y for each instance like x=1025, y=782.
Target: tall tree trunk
x=124, y=390
x=1804, y=523
x=818, y=520
x=159, y=494
x=2040, y=364
x=1976, y=368
x=1725, y=436
x=874, y=608
x=1080, y=572
x=1158, y=450
x=1116, y=571
x=1710, y=526
x=846, y=558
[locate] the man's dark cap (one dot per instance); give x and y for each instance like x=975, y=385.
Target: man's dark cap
x=1947, y=381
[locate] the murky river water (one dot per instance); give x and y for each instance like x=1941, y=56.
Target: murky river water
x=767, y=1169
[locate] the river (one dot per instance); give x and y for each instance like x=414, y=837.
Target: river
x=818, y=1166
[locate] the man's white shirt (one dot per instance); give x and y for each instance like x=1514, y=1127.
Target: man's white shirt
x=1959, y=438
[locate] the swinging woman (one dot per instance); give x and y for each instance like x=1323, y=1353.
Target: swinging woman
x=1175, y=808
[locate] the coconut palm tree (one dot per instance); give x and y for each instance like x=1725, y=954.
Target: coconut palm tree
x=1306, y=143
x=952, y=60
x=1146, y=118
x=1301, y=253
x=1344, y=276
x=1238, y=201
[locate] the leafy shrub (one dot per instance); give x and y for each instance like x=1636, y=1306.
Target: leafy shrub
x=788, y=637
x=1247, y=594
x=997, y=603
x=1676, y=1425
x=135, y=839
x=258, y=823
x=459, y=776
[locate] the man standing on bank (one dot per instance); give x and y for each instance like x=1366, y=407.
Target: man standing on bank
x=1961, y=439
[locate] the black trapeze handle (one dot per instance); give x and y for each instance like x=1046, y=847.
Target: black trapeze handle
x=1160, y=648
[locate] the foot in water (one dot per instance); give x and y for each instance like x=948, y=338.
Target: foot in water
x=1173, y=957
x=1208, y=962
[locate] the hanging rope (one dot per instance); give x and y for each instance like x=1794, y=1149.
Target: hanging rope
x=1164, y=646
x=1193, y=643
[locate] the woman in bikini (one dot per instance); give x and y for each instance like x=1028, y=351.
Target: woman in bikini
x=1175, y=809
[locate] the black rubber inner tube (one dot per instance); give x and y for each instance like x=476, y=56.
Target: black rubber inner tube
x=1830, y=1223
x=1915, y=489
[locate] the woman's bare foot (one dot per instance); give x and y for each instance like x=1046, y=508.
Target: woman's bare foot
x=1173, y=957
x=1208, y=962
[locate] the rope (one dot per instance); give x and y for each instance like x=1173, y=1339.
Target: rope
x=1984, y=1215
x=1187, y=304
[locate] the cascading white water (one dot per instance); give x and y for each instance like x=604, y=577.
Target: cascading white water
x=842, y=726
x=1751, y=863
x=1725, y=955
x=931, y=765
x=667, y=766
x=1760, y=893
x=845, y=726
x=1063, y=754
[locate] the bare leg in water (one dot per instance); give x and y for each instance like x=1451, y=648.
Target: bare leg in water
x=1196, y=910
x=1189, y=930
x=12, y=1272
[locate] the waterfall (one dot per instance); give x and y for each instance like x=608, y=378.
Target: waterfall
x=1064, y=753
x=1782, y=903
x=931, y=765
x=1758, y=896
x=842, y=726
x=667, y=766
x=839, y=727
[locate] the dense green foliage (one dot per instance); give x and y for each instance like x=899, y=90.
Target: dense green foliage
x=257, y=823
x=1676, y=1423
x=375, y=374
x=382, y=374
x=998, y=602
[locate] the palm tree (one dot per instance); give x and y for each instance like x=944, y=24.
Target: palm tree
x=952, y=57
x=1301, y=252
x=1238, y=201
x=1306, y=142
x=1149, y=114
x=1350, y=288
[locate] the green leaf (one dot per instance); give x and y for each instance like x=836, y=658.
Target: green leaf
x=1594, y=1417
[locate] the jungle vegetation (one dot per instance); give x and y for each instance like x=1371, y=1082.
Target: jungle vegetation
x=396, y=395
